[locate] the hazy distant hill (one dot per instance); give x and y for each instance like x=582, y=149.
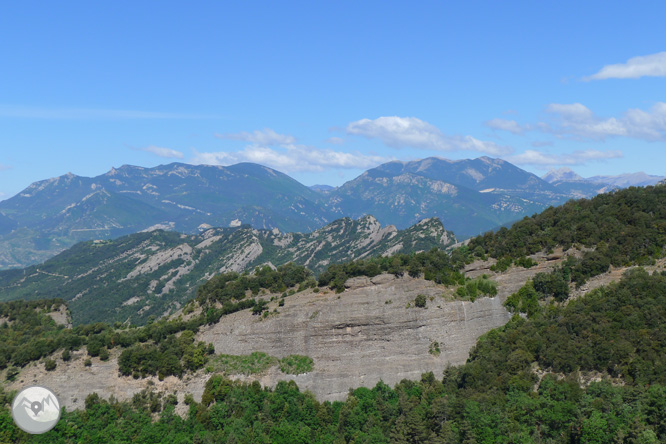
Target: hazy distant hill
x=568, y=182
x=628, y=180
x=151, y=273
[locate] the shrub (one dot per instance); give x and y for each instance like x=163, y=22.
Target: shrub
x=525, y=262
x=11, y=373
x=49, y=365
x=420, y=301
x=87, y=362
x=476, y=287
x=259, y=307
x=524, y=300
x=94, y=348
x=104, y=354
x=551, y=285
x=66, y=355
x=502, y=264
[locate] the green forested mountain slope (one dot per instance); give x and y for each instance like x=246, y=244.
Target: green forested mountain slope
x=624, y=226
x=149, y=274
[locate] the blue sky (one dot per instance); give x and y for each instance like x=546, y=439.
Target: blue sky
x=324, y=90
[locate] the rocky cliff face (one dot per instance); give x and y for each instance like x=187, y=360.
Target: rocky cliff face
x=363, y=335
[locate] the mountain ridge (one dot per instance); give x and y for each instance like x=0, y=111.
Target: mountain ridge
x=152, y=273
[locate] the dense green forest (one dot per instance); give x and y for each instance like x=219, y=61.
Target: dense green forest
x=617, y=332
x=626, y=226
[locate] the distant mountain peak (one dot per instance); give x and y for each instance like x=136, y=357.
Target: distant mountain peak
x=322, y=188
x=628, y=179
x=560, y=174
x=491, y=160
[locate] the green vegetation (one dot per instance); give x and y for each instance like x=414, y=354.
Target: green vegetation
x=501, y=265
x=474, y=288
x=435, y=265
x=171, y=357
x=505, y=262
x=618, y=331
x=29, y=334
x=525, y=262
x=226, y=287
x=627, y=226
x=49, y=365
x=554, y=284
x=296, y=364
x=525, y=300
x=420, y=301
x=256, y=362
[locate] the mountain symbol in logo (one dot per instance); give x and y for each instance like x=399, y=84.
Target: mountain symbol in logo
x=36, y=409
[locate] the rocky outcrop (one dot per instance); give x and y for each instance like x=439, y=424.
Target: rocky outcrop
x=369, y=333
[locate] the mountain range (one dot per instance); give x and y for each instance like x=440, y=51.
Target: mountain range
x=152, y=273
x=469, y=196
x=567, y=181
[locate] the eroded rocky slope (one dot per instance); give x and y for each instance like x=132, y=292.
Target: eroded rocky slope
x=152, y=274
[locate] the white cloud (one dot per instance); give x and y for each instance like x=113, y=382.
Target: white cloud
x=507, y=125
x=570, y=111
x=399, y=132
x=162, y=152
x=653, y=65
x=579, y=121
x=538, y=158
x=575, y=120
x=292, y=158
x=260, y=137
x=27, y=112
